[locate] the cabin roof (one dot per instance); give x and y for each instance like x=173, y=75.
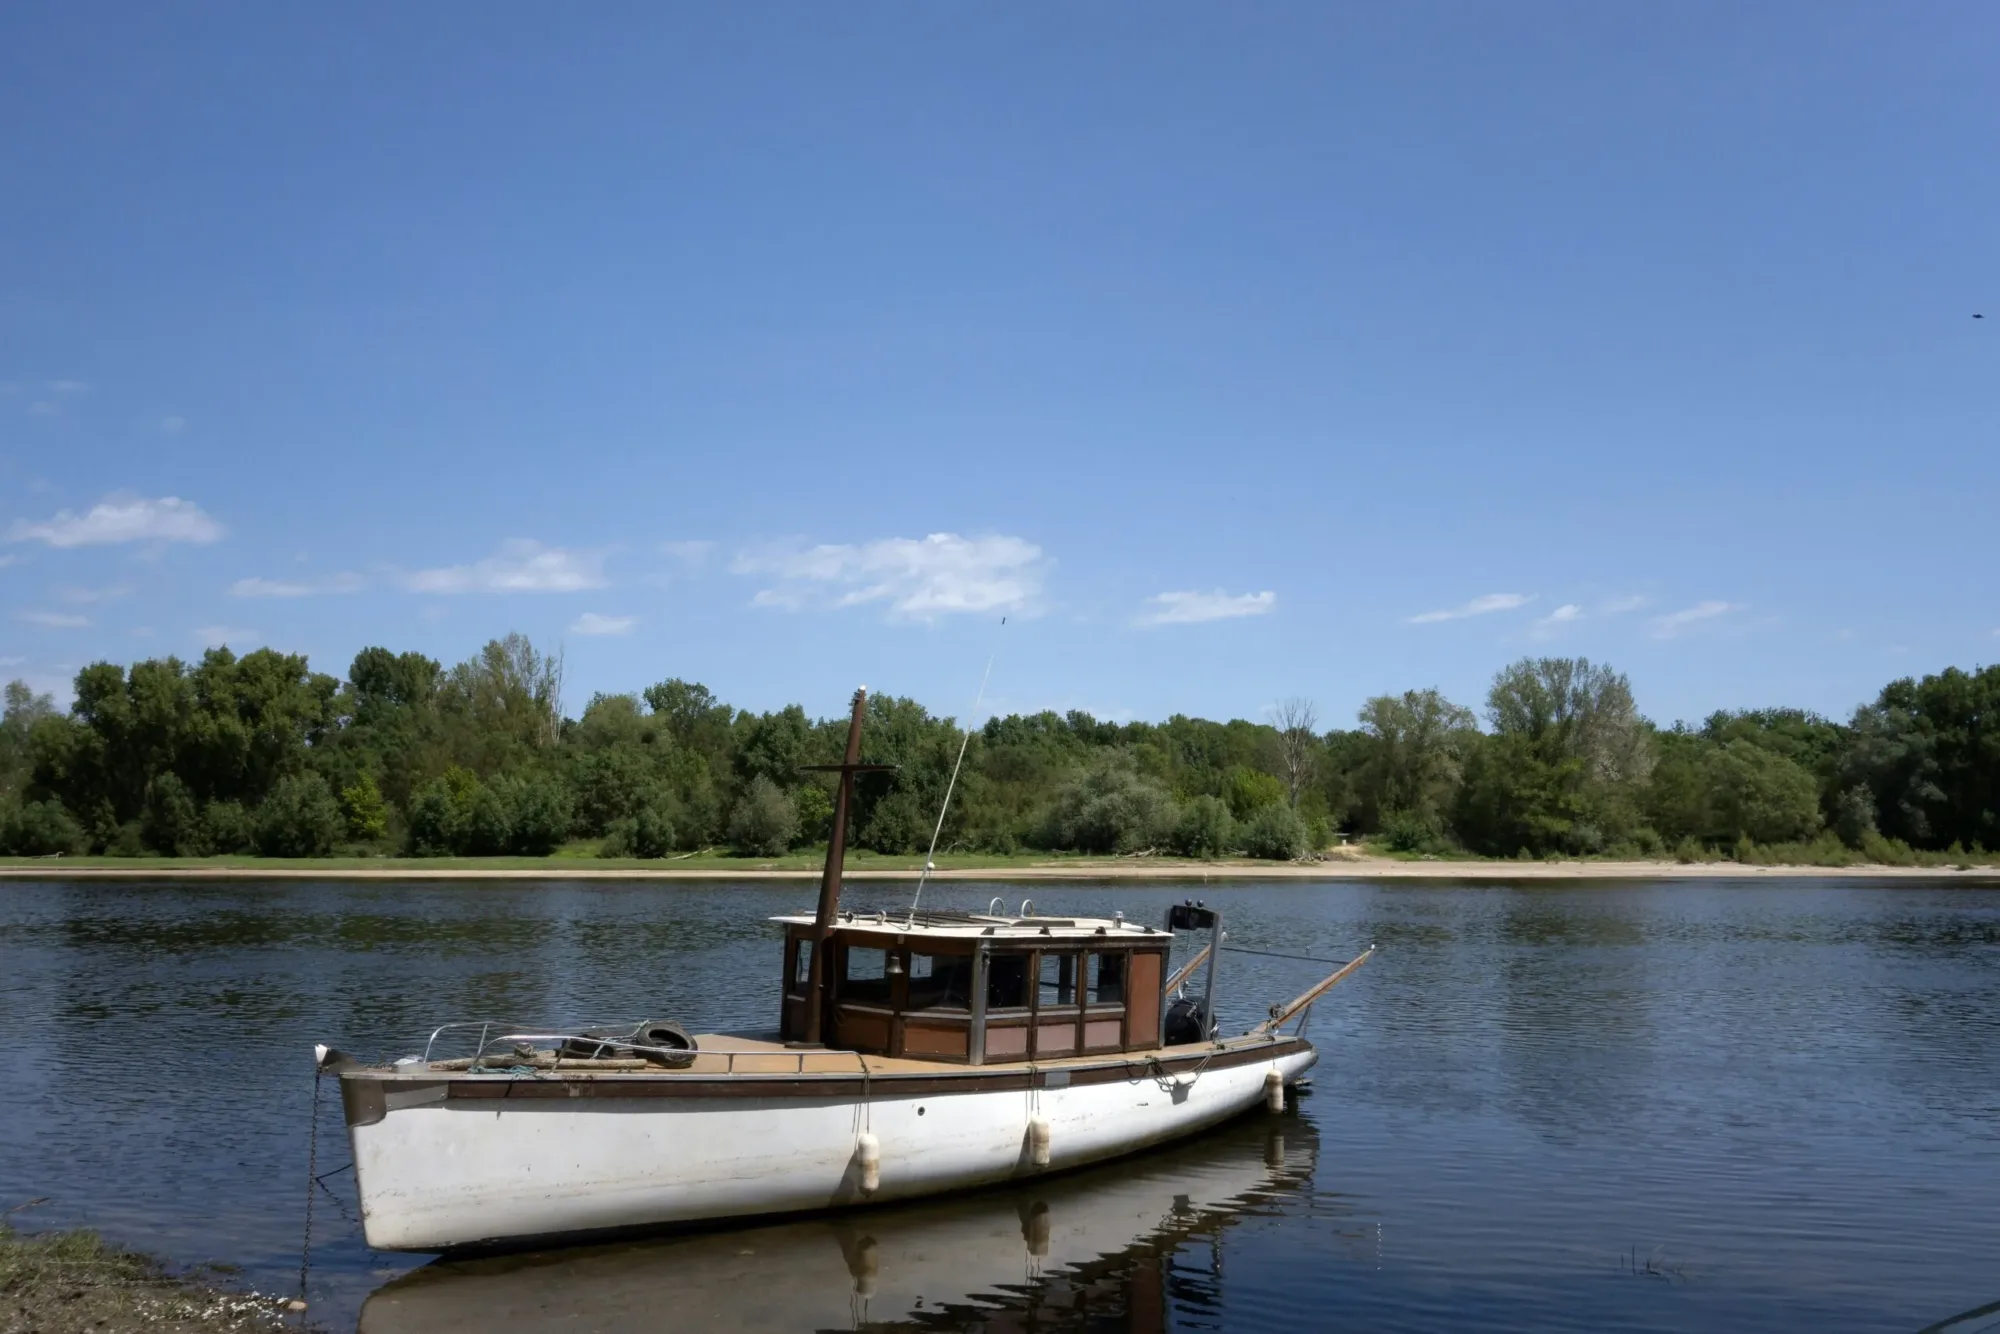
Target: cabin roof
x=950, y=924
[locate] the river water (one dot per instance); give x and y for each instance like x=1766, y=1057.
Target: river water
x=1673, y=1106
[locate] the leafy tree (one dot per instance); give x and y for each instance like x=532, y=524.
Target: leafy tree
x=1760, y=795
x=774, y=746
x=1517, y=799
x=765, y=822
x=438, y=814
x=1410, y=754
x=815, y=811
x=24, y=709
x=367, y=814
x=172, y=823
x=695, y=719
x=1249, y=791
x=486, y=823
x=299, y=819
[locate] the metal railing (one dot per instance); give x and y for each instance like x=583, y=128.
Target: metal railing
x=496, y=1047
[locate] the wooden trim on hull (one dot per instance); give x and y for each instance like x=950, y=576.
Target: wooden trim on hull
x=367, y=1096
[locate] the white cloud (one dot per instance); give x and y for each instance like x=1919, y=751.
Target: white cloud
x=1479, y=606
x=173, y=425
x=1619, y=606
x=53, y=620
x=12, y=660
x=1666, y=627
x=1191, y=608
x=591, y=623
x=522, y=566
x=122, y=519
x=295, y=588
x=69, y=387
x=86, y=595
x=1567, y=614
x=917, y=578
x=219, y=636
x=9, y=559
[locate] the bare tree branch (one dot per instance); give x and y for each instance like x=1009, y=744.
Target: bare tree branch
x=1298, y=742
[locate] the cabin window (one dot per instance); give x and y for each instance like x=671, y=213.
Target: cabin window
x=940, y=982
x=1007, y=982
x=802, y=964
x=866, y=975
x=1107, y=979
x=1058, y=980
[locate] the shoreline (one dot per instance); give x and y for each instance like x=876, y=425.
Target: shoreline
x=1334, y=868
x=74, y=1282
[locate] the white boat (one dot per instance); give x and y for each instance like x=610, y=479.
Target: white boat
x=917, y=1053
x=1110, y=1245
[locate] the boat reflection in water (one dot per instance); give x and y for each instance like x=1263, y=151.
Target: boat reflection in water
x=1095, y=1248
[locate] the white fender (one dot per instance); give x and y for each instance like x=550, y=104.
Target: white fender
x=871, y=1164
x=1038, y=1140
x=1274, y=1090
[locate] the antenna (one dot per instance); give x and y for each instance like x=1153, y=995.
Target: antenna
x=925, y=875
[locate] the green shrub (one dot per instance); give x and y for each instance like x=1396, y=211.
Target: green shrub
x=1854, y=816
x=437, y=829
x=1275, y=833
x=128, y=840
x=649, y=833
x=226, y=828
x=1205, y=829
x=1887, y=851
x=488, y=826
x=765, y=822
x=815, y=809
x=1109, y=807
x=897, y=826
x=299, y=819
x=540, y=818
x=40, y=829
x=1414, y=831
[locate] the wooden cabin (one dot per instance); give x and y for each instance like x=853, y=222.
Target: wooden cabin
x=980, y=989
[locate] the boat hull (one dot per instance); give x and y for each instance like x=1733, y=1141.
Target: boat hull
x=474, y=1160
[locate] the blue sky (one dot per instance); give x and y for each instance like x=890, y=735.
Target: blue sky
x=1232, y=354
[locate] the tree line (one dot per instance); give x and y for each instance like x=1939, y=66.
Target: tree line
x=260, y=754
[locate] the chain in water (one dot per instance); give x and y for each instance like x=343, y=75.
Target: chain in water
x=312, y=1186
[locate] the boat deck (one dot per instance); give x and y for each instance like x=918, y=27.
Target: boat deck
x=763, y=1054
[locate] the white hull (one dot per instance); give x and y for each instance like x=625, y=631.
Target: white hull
x=1089, y=1240
x=452, y=1172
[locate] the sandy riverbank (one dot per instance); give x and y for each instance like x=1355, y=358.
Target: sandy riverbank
x=1333, y=868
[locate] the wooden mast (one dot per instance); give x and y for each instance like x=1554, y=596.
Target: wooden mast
x=818, y=980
